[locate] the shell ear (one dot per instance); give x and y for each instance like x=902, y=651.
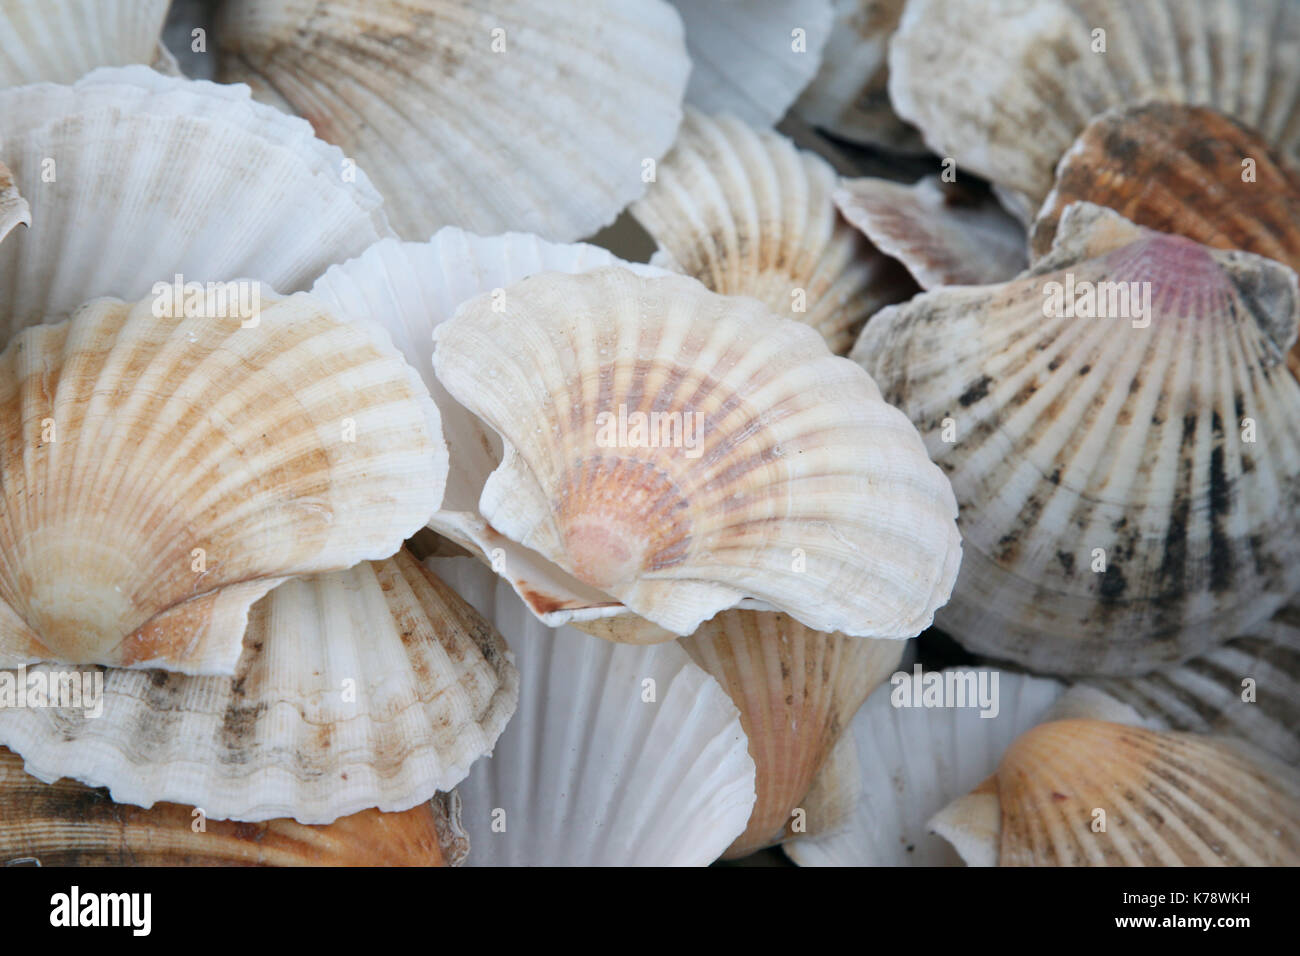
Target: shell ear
x=1087, y=231
x=1269, y=290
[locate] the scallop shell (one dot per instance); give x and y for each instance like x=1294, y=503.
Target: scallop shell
x=943, y=234
x=256, y=195
x=163, y=473
x=617, y=756
x=747, y=213
x=1005, y=86
x=752, y=59
x=1072, y=435
x=58, y=41
x=849, y=96
x=455, y=108
x=797, y=689
x=13, y=207
x=787, y=480
x=1164, y=799
x=372, y=687
x=67, y=824
x=1210, y=694
x=895, y=767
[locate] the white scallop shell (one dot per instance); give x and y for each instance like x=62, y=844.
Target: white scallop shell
x=58, y=41
x=371, y=687
x=509, y=114
x=617, y=756
x=134, y=178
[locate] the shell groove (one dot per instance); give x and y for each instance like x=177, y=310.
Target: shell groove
x=58, y=41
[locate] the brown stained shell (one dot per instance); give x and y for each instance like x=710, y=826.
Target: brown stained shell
x=746, y=213
x=797, y=689
x=1128, y=484
x=1093, y=793
x=68, y=824
x=160, y=473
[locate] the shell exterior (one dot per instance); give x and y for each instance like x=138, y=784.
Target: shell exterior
x=943, y=235
x=1210, y=694
x=746, y=213
x=443, y=101
x=58, y=41
x=258, y=196
x=410, y=288
x=782, y=476
x=161, y=473
x=797, y=690
x=897, y=766
x=849, y=96
x=68, y=824
x=372, y=687
x=1169, y=799
x=13, y=207
x=1071, y=435
x=618, y=755
x=1040, y=75
x=747, y=58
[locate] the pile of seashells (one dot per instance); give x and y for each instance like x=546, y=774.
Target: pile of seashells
x=353, y=511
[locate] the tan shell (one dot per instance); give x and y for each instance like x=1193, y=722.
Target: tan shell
x=58, y=41
x=783, y=477
x=13, y=207
x=372, y=687
x=68, y=824
x=797, y=690
x=1168, y=799
x=943, y=233
x=1065, y=435
x=1005, y=86
x=849, y=96
x=162, y=473
x=747, y=213
x=484, y=114
x=256, y=195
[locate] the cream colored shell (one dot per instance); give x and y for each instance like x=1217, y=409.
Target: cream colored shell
x=58, y=41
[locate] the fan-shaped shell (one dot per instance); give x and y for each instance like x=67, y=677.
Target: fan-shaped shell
x=1005, y=86
x=1127, y=491
x=617, y=756
x=162, y=473
x=752, y=59
x=14, y=209
x=490, y=115
x=68, y=824
x=849, y=96
x=1093, y=793
x=58, y=41
x=746, y=213
x=797, y=690
x=896, y=766
x=944, y=235
x=372, y=687
x=782, y=476
x=255, y=194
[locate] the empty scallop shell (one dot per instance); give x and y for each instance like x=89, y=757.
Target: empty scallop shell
x=372, y=687
x=68, y=824
x=1249, y=688
x=1117, y=512
x=444, y=101
x=772, y=471
x=618, y=755
x=849, y=96
x=943, y=234
x=135, y=177
x=13, y=207
x=797, y=690
x=747, y=213
x=896, y=766
x=1094, y=793
x=58, y=41
x=752, y=58
x=162, y=473
x=1005, y=86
